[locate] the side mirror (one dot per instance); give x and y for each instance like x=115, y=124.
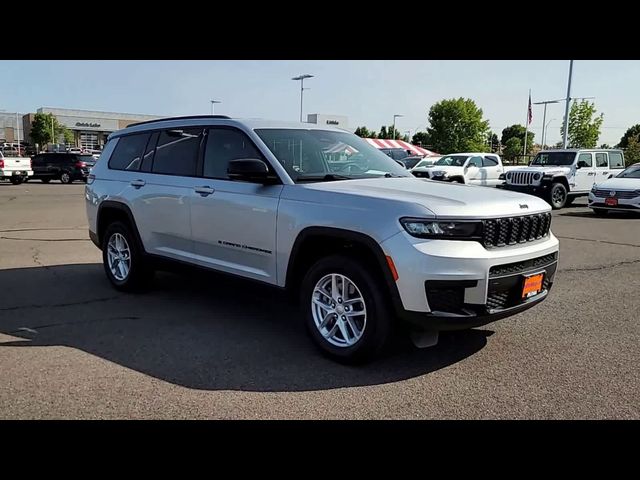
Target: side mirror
x=578, y=166
x=610, y=176
x=249, y=169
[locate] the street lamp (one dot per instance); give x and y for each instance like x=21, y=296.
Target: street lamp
x=544, y=116
x=544, y=130
x=394, y=124
x=301, y=78
x=213, y=102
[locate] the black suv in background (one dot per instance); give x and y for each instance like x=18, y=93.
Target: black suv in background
x=65, y=167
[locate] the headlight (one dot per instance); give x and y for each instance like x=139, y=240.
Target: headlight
x=594, y=188
x=455, y=230
x=508, y=175
x=439, y=173
x=536, y=176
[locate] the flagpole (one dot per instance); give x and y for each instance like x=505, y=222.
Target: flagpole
x=526, y=125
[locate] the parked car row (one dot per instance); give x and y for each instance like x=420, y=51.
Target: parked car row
x=65, y=167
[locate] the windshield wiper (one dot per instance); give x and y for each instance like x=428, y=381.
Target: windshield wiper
x=329, y=177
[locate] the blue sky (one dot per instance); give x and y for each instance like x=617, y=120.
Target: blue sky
x=368, y=92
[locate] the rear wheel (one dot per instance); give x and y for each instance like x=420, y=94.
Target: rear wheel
x=122, y=259
x=65, y=177
x=16, y=180
x=569, y=201
x=346, y=309
x=557, y=196
x=45, y=180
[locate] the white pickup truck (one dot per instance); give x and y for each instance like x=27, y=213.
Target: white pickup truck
x=15, y=169
x=473, y=168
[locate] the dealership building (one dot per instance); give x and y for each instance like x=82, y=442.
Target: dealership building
x=90, y=129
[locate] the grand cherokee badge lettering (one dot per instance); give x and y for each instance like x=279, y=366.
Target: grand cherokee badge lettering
x=244, y=247
x=524, y=205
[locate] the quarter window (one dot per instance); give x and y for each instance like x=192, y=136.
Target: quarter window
x=490, y=162
x=616, y=160
x=128, y=152
x=177, y=152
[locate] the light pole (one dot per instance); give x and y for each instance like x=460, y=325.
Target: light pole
x=566, y=107
x=544, y=130
x=301, y=78
x=394, y=124
x=544, y=116
x=213, y=102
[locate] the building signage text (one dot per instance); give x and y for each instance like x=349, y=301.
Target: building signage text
x=87, y=124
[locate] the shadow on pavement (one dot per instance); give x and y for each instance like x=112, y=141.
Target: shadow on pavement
x=201, y=331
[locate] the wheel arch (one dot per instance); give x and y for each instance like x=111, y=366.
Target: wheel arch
x=110, y=211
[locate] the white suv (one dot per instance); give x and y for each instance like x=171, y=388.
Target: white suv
x=320, y=211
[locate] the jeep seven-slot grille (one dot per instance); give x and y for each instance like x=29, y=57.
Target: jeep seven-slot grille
x=521, y=178
x=513, y=230
x=624, y=194
x=525, y=265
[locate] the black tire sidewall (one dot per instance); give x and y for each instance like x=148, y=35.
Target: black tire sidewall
x=379, y=319
x=138, y=271
x=553, y=188
x=45, y=180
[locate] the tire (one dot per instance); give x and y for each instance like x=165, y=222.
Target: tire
x=16, y=180
x=45, y=180
x=600, y=212
x=569, y=202
x=557, y=196
x=375, y=327
x=139, y=274
x=457, y=180
x=65, y=177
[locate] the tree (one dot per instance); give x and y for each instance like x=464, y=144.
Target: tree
x=631, y=132
x=512, y=148
x=41, y=129
x=387, y=133
x=456, y=125
x=420, y=138
x=492, y=140
x=517, y=131
x=363, y=132
x=584, y=128
x=632, y=152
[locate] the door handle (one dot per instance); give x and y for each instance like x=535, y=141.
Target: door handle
x=204, y=191
x=137, y=183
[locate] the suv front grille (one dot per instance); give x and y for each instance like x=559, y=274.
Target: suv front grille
x=512, y=230
x=618, y=194
x=420, y=174
x=519, y=267
x=521, y=178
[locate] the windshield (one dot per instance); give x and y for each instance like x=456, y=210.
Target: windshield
x=452, y=160
x=631, y=172
x=554, y=158
x=410, y=162
x=425, y=163
x=319, y=154
x=86, y=158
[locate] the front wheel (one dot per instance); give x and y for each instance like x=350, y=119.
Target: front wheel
x=122, y=259
x=45, y=180
x=557, y=196
x=346, y=309
x=16, y=180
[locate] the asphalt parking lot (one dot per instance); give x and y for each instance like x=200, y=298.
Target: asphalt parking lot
x=200, y=346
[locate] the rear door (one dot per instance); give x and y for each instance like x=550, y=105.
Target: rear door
x=601, y=167
x=492, y=169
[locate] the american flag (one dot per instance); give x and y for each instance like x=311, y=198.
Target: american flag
x=530, y=115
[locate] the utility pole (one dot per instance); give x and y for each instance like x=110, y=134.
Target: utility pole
x=301, y=78
x=566, y=107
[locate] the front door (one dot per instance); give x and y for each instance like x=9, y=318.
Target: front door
x=233, y=223
x=585, y=175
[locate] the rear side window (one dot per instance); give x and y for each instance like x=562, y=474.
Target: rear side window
x=601, y=160
x=616, y=160
x=490, y=161
x=177, y=152
x=128, y=152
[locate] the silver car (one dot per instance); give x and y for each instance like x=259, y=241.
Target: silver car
x=320, y=211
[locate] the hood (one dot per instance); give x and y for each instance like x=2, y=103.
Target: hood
x=550, y=170
x=443, y=199
x=620, y=184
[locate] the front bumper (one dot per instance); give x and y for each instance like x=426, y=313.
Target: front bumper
x=624, y=204
x=450, y=285
x=15, y=173
x=539, y=190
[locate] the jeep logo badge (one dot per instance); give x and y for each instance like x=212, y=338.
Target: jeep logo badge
x=524, y=205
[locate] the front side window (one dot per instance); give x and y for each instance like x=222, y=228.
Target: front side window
x=314, y=155
x=128, y=152
x=584, y=160
x=177, y=152
x=224, y=145
x=601, y=160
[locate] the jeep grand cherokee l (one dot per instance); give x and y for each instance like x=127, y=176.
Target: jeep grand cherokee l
x=360, y=240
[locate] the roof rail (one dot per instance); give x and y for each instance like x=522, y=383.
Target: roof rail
x=188, y=117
